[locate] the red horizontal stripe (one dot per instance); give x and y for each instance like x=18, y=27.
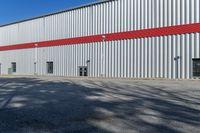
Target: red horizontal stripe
x=163, y=31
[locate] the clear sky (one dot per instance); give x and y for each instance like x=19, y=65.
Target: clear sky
x=14, y=10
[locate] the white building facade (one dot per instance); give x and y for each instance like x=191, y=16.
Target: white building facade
x=111, y=38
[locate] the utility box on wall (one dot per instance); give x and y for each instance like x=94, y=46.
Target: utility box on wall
x=9, y=71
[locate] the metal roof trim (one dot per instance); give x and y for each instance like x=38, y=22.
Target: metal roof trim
x=58, y=12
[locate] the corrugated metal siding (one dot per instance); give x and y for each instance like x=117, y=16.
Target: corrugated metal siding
x=109, y=17
x=140, y=58
x=23, y=58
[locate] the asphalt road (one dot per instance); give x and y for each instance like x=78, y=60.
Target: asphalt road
x=58, y=105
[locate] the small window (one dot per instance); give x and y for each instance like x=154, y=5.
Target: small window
x=196, y=67
x=50, y=67
x=14, y=67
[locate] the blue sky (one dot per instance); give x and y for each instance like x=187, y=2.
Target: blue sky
x=14, y=10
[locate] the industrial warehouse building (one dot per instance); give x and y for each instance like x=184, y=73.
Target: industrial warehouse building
x=111, y=38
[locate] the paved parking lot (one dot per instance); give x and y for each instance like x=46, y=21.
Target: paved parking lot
x=58, y=105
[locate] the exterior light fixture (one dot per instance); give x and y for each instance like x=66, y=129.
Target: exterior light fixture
x=103, y=37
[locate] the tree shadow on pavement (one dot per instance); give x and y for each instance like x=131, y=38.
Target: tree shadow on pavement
x=54, y=106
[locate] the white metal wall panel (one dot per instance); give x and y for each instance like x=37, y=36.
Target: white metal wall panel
x=108, y=17
x=24, y=62
x=134, y=58
x=172, y=47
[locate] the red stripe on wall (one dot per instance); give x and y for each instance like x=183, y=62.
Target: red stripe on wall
x=163, y=31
